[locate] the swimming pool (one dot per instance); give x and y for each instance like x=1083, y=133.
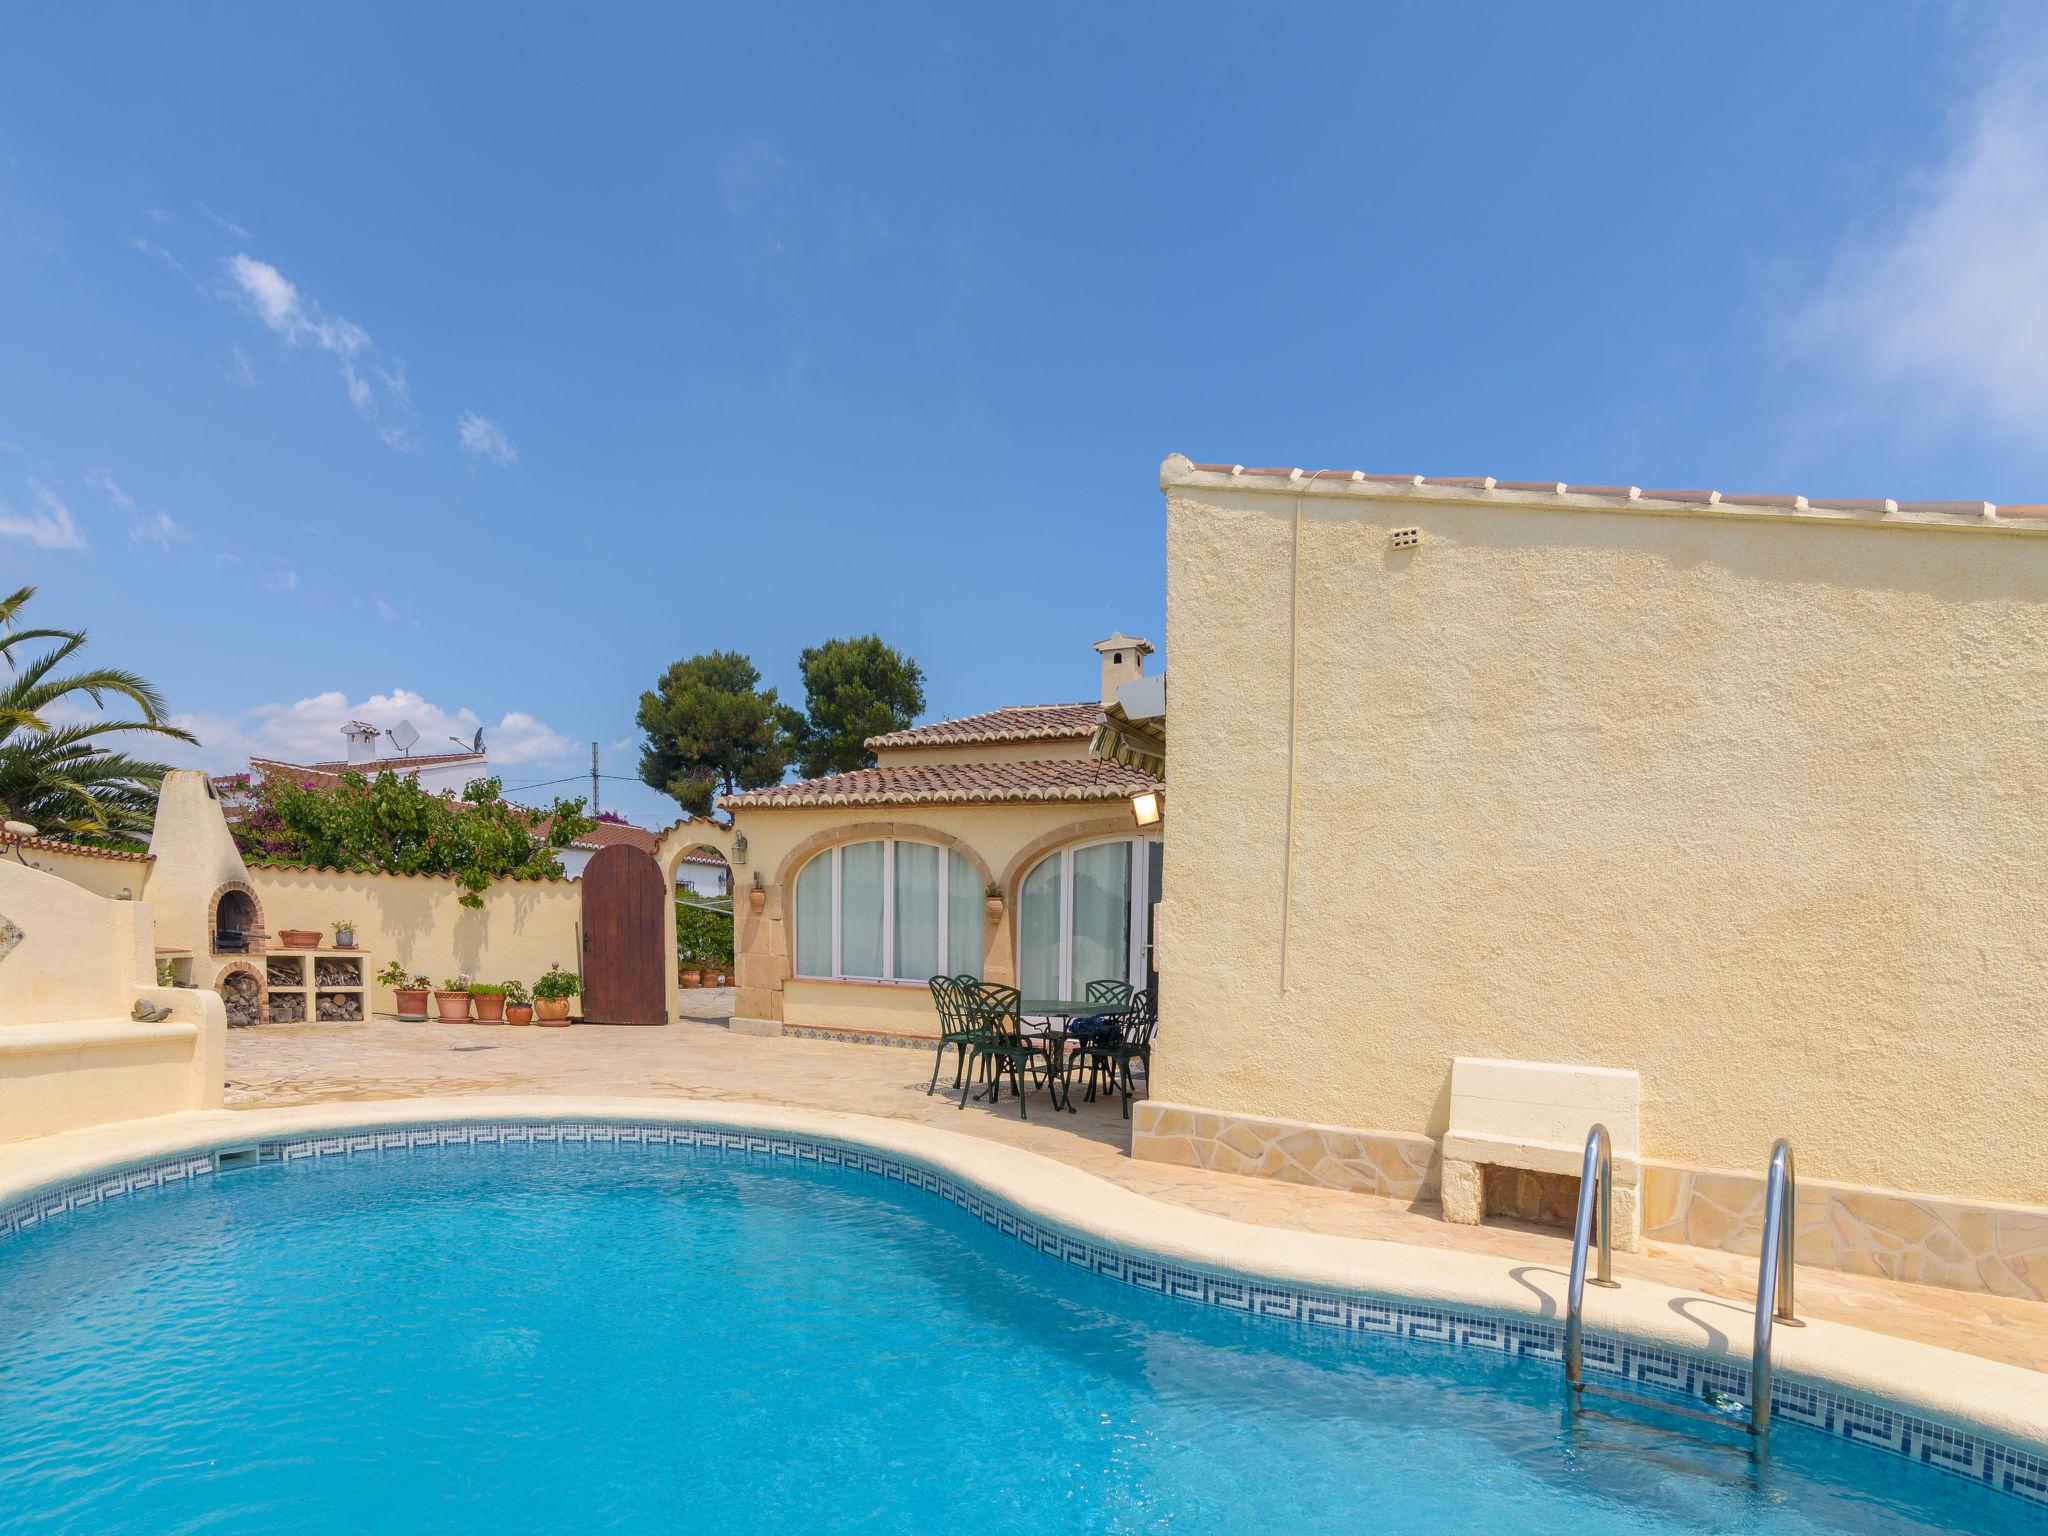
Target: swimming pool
x=444, y=1329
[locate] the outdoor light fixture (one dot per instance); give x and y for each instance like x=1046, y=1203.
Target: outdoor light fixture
x=1146, y=808
x=739, y=849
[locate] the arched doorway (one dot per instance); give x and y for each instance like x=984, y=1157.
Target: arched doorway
x=627, y=917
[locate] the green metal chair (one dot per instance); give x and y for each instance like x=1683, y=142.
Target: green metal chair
x=999, y=1045
x=1130, y=1046
x=1111, y=994
x=958, y=1027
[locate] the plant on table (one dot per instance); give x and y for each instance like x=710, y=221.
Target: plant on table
x=344, y=933
x=518, y=1003
x=551, y=995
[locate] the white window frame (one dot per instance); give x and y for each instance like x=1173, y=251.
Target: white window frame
x=889, y=976
x=1144, y=851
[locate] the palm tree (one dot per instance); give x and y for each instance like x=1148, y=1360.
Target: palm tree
x=60, y=779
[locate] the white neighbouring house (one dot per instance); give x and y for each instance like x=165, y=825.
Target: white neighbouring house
x=436, y=772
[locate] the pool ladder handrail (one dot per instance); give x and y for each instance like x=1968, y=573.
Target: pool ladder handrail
x=1596, y=1183
x=1774, y=1290
x=1775, y=1304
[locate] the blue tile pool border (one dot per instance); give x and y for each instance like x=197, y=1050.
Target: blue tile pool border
x=1857, y=1421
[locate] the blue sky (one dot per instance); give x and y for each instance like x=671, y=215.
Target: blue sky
x=474, y=362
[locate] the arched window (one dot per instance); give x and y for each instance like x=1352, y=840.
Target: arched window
x=1085, y=914
x=888, y=910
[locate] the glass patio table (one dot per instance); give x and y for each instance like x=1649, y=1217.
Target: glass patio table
x=1054, y=1015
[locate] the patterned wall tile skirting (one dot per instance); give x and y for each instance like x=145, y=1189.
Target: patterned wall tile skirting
x=2005, y=1468
x=858, y=1037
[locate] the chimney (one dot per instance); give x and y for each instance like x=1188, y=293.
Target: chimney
x=1123, y=659
x=362, y=741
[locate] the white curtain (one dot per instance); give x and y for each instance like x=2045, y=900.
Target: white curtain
x=814, y=917
x=1102, y=914
x=917, y=911
x=1038, y=931
x=860, y=909
x=964, y=897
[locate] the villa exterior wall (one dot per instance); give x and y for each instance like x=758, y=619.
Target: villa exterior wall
x=101, y=876
x=1004, y=841
x=523, y=928
x=72, y=966
x=1752, y=805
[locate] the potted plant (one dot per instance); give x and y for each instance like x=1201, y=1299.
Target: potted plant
x=518, y=1006
x=551, y=995
x=299, y=938
x=344, y=934
x=993, y=900
x=452, y=998
x=489, y=998
x=411, y=991
x=757, y=898
x=691, y=973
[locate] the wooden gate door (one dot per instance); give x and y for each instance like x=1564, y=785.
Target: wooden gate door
x=625, y=904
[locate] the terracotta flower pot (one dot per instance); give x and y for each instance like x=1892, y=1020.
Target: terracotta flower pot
x=412, y=1004
x=691, y=978
x=994, y=907
x=454, y=1006
x=490, y=1007
x=519, y=1013
x=299, y=938
x=757, y=898
x=551, y=1010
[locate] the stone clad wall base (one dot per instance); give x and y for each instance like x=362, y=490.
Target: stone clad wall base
x=1963, y=1245
x=1330, y=1156
x=746, y=1026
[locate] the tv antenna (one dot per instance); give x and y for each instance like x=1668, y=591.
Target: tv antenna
x=403, y=736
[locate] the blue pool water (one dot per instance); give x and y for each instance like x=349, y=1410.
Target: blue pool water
x=652, y=1339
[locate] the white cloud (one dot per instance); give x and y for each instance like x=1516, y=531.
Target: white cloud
x=380, y=395
x=309, y=730
x=385, y=610
x=240, y=370
x=227, y=224
x=285, y=581
x=49, y=526
x=626, y=744
x=483, y=438
x=1945, y=306
x=146, y=525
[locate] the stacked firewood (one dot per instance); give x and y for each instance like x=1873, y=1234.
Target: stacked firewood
x=243, y=994
x=287, y=1008
x=337, y=973
x=341, y=1005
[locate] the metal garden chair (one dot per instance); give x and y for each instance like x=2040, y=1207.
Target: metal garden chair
x=999, y=1044
x=952, y=997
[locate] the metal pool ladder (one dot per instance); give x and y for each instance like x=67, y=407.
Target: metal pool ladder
x=1774, y=1285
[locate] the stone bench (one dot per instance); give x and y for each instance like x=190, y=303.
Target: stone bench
x=1534, y=1117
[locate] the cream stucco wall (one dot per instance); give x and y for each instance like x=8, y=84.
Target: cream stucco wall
x=96, y=873
x=1753, y=804
x=70, y=1054
x=523, y=927
x=195, y=855
x=1004, y=842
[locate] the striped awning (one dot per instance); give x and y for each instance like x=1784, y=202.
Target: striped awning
x=1139, y=744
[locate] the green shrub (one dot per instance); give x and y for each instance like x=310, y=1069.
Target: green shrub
x=557, y=984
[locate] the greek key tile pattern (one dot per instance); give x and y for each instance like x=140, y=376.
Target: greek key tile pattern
x=2008, y=1469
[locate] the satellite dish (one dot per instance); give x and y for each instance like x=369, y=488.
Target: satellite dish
x=478, y=744
x=403, y=736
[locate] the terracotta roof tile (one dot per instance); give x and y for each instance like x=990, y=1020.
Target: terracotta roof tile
x=1060, y=779
x=1016, y=722
x=83, y=850
x=607, y=834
